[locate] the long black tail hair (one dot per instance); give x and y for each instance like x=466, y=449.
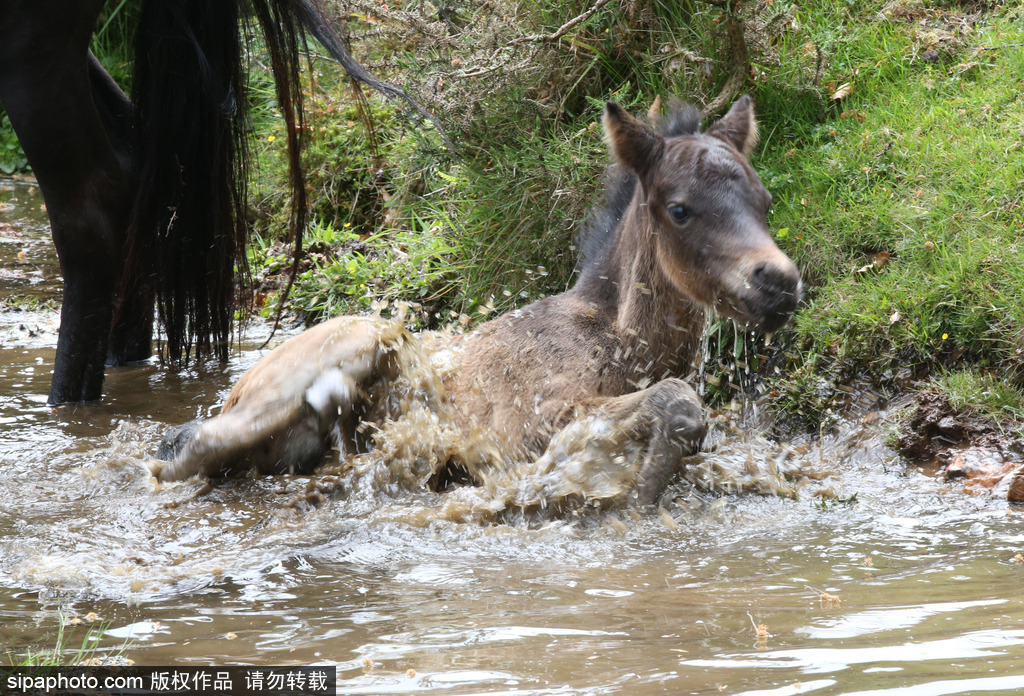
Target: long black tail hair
x=187, y=229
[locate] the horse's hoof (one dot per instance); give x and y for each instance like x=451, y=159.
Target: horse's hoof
x=175, y=439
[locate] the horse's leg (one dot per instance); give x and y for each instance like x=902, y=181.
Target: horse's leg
x=131, y=333
x=47, y=93
x=115, y=111
x=678, y=427
x=303, y=398
x=630, y=445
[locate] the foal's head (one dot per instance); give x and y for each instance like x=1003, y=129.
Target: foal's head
x=708, y=211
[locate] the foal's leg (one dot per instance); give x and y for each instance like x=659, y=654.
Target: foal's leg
x=638, y=440
x=292, y=407
x=678, y=427
x=46, y=91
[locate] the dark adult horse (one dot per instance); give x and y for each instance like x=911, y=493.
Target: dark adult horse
x=146, y=196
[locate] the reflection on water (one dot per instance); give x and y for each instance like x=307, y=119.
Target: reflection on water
x=28, y=266
x=403, y=599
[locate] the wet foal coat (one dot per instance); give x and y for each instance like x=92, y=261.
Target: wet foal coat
x=685, y=231
x=689, y=233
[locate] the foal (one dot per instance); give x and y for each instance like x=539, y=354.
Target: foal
x=685, y=231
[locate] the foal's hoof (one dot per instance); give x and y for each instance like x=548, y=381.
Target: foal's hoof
x=175, y=439
x=678, y=428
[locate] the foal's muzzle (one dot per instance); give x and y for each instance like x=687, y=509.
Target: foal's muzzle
x=774, y=292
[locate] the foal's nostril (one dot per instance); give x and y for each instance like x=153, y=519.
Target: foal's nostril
x=776, y=292
x=771, y=279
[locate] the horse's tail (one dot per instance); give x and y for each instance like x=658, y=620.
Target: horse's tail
x=187, y=229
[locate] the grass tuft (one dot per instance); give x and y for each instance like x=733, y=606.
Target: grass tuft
x=982, y=394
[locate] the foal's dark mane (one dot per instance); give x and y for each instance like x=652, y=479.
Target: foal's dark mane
x=599, y=231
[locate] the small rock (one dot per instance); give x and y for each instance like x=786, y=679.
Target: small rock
x=982, y=468
x=973, y=461
x=1015, y=494
x=951, y=427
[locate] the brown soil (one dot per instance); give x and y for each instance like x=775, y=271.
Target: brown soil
x=972, y=448
x=936, y=427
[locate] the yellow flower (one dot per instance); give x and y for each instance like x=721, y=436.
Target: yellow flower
x=271, y=138
x=945, y=336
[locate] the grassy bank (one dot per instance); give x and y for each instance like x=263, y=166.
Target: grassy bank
x=891, y=141
x=904, y=209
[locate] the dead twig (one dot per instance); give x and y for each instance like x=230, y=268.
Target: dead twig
x=562, y=30
x=996, y=48
x=738, y=57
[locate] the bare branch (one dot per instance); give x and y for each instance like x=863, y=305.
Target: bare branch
x=996, y=48
x=562, y=30
x=738, y=57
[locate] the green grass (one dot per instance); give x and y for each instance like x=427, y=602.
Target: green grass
x=981, y=393
x=348, y=273
x=112, y=40
x=12, y=157
x=65, y=653
x=904, y=208
x=28, y=303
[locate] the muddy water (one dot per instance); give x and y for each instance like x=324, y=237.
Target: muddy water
x=921, y=592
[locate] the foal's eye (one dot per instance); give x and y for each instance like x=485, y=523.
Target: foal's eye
x=678, y=213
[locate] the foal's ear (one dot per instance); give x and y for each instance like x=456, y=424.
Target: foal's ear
x=635, y=146
x=738, y=127
x=654, y=113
